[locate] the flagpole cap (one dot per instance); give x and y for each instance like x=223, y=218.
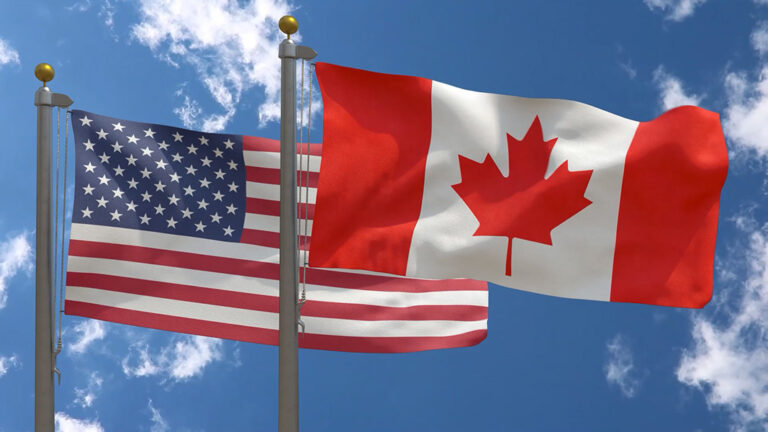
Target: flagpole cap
x=44, y=72
x=288, y=25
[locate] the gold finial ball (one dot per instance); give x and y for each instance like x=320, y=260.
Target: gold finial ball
x=288, y=25
x=44, y=72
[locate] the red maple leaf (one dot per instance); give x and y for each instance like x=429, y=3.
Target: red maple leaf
x=523, y=205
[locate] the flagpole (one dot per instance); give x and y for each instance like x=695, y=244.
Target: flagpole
x=288, y=394
x=45, y=100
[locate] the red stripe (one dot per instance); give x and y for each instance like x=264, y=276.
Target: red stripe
x=272, y=176
x=267, y=303
x=273, y=146
x=272, y=208
x=265, y=270
x=269, y=239
x=270, y=337
x=376, y=133
x=665, y=239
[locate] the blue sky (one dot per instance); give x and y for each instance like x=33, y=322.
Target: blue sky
x=548, y=363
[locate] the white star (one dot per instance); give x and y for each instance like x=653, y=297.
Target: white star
x=145, y=173
x=88, y=190
x=132, y=139
x=146, y=196
x=200, y=227
x=219, y=174
x=88, y=145
x=232, y=187
x=102, y=134
x=217, y=196
x=192, y=149
x=160, y=187
x=204, y=182
x=118, y=126
x=87, y=212
x=171, y=223
x=206, y=161
x=173, y=199
x=177, y=137
x=228, y=231
x=159, y=209
x=102, y=202
x=232, y=165
x=119, y=171
x=118, y=193
x=218, y=153
x=191, y=170
x=186, y=213
x=131, y=206
x=146, y=151
x=231, y=209
x=161, y=164
x=203, y=140
x=162, y=145
x=116, y=215
x=103, y=179
x=215, y=218
x=116, y=147
x=89, y=167
x=177, y=157
x=175, y=177
x=149, y=133
x=228, y=144
x=104, y=158
x=132, y=183
x=188, y=190
x=85, y=121
x=131, y=160
x=202, y=204
x=145, y=219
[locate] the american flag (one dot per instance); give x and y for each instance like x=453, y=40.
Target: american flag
x=178, y=230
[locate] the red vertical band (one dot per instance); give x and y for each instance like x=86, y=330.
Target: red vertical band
x=665, y=240
x=376, y=133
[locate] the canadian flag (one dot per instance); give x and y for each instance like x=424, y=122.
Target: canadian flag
x=423, y=179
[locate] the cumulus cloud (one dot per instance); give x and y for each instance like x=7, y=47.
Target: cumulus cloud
x=674, y=10
x=185, y=358
x=65, y=423
x=747, y=110
x=15, y=255
x=728, y=360
x=7, y=53
x=7, y=363
x=159, y=424
x=671, y=90
x=232, y=46
x=760, y=38
x=620, y=367
x=84, y=397
x=88, y=331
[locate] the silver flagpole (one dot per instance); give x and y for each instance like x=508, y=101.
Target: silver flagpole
x=45, y=100
x=288, y=397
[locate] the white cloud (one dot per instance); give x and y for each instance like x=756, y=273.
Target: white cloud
x=745, y=120
x=184, y=359
x=89, y=331
x=6, y=363
x=671, y=89
x=7, y=53
x=620, y=367
x=65, y=423
x=760, y=38
x=15, y=255
x=84, y=397
x=159, y=424
x=728, y=361
x=232, y=46
x=675, y=10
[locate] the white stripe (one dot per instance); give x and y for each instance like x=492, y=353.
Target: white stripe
x=268, y=320
x=263, y=159
x=272, y=192
x=269, y=223
x=252, y=285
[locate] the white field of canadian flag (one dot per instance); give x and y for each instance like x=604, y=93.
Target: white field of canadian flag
x=423, y=179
